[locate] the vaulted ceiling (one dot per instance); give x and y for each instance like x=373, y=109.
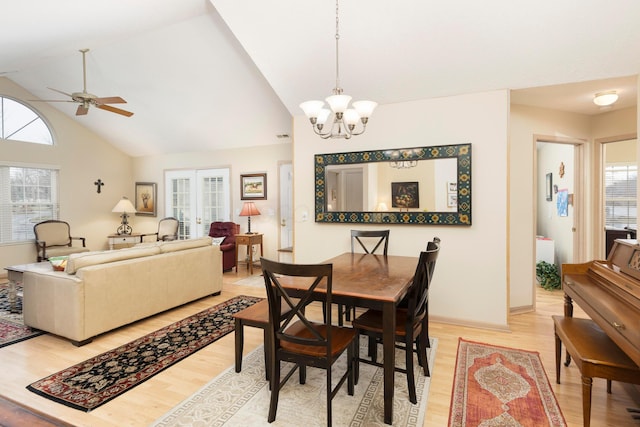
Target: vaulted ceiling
x=211, y=74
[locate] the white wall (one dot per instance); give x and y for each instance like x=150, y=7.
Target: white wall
x=261, y=159
x=470, y=283
x=83, y=157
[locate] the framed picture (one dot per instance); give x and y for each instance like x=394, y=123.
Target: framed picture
x=452, y=200
x=549, y=187
x=404, y=195
x=146, y=193
x=253, y=186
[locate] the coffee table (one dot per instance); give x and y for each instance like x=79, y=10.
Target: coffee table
x=15, y=273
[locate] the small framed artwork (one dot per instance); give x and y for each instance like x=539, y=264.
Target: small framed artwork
x=253, y=186
x=146, y=193
x=452, y=200
x=404, y=195
x=452, y=187
x=549, y=187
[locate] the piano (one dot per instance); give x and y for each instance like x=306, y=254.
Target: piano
x=609, y=292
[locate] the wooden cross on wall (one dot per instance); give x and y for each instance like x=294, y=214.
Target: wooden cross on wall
x=99, y=184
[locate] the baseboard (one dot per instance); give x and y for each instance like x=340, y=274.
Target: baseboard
x=478, y=325
x=522, y=309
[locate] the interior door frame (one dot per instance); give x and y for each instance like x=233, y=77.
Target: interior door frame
x=579, y=226
x=598, y=191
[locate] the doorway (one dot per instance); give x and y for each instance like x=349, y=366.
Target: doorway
x=617, y=213
x=197, y=197
x=559, y=200
x=285, y=250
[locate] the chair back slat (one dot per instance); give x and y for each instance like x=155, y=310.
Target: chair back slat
x=307, y=279
x=418, y=294
x=377, y=236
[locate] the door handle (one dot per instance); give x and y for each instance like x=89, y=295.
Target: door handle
x=199, y=220
x=283, y=223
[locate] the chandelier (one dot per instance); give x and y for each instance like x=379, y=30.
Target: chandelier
x=345, y=119
x=400, y=159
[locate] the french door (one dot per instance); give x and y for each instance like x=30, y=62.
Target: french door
x=197, y=197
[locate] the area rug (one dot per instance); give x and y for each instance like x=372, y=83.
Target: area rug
x=12, y=328
x=94, y=382
x=500, y=386
x=242, y=399
x=253, y=281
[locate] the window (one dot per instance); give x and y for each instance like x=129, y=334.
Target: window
x=28, y=195
x=21, y=123
x=620, y=195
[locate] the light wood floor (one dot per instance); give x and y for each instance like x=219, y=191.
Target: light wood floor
x=33, y=359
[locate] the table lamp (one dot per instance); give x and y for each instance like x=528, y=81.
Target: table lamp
x=126, y=207
x=248, y=209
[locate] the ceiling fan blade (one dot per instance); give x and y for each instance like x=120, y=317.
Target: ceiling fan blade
x=49, y=100
x=82, y=110
x=59, y=91
x=115, y=110
x=110, y=100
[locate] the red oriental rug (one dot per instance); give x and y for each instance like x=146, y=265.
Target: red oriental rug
x=501, y=386
x=95, y=381
x=12, y=328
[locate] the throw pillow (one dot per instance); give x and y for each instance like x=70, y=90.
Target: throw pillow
x=217, y=240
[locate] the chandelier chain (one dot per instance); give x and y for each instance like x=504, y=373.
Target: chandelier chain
x=338, y=89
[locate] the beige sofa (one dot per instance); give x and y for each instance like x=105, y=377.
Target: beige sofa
x=101, y=291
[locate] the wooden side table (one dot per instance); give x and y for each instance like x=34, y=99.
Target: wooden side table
x=249, y=240
x=125, y=240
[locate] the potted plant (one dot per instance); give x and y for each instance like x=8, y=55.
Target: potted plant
x=547, y=275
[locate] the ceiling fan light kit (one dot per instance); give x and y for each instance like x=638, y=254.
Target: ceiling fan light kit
x=86, y=99
x=345, y=119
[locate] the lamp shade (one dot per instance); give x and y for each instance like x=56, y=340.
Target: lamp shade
x=124, y=206
x=249, y=209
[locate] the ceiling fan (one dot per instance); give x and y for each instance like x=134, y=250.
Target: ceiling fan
x=86, y=99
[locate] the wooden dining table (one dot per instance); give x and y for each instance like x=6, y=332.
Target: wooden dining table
x=377, y=282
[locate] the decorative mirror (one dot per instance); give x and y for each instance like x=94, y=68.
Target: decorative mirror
x=422, y=185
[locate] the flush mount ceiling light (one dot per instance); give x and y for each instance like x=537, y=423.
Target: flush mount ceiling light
x=604, y=99
x=344, y=119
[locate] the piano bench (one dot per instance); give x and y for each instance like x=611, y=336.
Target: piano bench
x=595, y=355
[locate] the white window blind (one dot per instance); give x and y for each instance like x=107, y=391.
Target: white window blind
x=620, y=195
x=27, y=196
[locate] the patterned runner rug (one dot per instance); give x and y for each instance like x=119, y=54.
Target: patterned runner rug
x=92, y=383
x=500, y=386
x=242, y=399
x=12, y=329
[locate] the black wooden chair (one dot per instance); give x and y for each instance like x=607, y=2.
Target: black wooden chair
x=369, y=241
x=412, y=321
x=298, y=339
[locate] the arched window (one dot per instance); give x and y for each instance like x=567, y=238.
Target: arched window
x=20, y=122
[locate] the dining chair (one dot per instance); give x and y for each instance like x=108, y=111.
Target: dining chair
x=167, y=230
x=412, y=321
x=298, y=338
x=369, y=241
x=53, y=238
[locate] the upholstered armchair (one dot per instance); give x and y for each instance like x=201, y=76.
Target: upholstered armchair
x=228, y=230
x=53, y=238
x=167, y=230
